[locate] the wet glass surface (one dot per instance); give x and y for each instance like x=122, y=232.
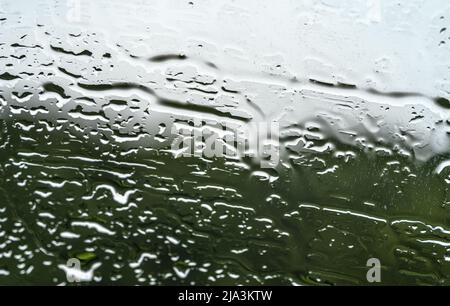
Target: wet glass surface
x=224, y=142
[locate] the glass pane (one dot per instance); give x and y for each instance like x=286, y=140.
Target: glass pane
x=224, y=142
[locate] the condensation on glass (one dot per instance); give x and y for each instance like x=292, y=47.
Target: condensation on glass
x=224, y=142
